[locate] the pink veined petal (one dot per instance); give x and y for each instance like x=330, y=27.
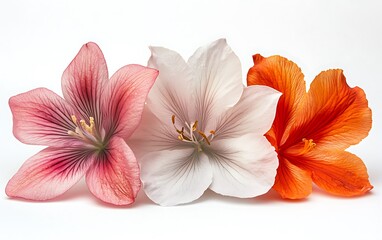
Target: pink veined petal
x=171, y=93
x=42, y=117
x=124, y=98
x=172, y=177
x=49, y=173
x=243, y=166
x=114, y=177
x=219, y=85
x=84, y=79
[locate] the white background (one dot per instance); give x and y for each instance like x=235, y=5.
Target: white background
x=38, y=39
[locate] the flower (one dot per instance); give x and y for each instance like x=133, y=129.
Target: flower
x=202, y=129
x=312, y=129
x=85, y=131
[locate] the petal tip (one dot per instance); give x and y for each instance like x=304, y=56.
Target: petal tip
x=11, y=101
x=155, y=53
x=368, y=188
x=88, y=50
x=13, y=191
x=221, y=40
x=154, y=49
x=257, y=58
x=91, y=45
x=9, y=191
x=154, y=71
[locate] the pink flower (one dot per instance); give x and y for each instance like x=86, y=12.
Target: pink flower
x=85, y=131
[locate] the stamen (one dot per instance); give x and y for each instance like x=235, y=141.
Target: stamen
x=83, y=123
x=189, y=135
x=91, y=121
x=204, y=137
x=71, y=133
x=74, y=119
x=195, y=126
x=308, y=145
x=192, y=137
x=173, y=123
x=212, y=134
x=180, y=131
x=82, y=126
x=185, y=137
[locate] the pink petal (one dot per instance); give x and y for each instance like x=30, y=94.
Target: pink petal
x=114, y=178
x=83, y=80
x=124, y=98
x=42, y=117
x=49, y=173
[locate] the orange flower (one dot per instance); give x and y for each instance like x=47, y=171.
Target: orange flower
x=312, y=129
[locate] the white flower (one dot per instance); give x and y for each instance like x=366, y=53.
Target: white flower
x=201, y=128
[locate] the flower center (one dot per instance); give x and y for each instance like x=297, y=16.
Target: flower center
x=308, y=145
x=191, y=134
x=83, y=130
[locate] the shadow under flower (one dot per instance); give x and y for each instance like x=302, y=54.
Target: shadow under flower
x=270, y=197
x=319, y=192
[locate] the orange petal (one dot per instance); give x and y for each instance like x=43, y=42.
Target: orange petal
x=339, y=172
x=285, y=76
x=334, y=115
x=291, y=181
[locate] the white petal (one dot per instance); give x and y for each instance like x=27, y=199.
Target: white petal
x=175, y=177
x=152, y=135
x=217, y=72
x=254, y=113
x=243, y=167
x=170, y=94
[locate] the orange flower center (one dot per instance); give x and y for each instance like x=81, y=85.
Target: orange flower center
x=308, y=145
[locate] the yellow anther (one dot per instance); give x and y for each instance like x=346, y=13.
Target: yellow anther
x=92, y=124
x=195, y=126
x=83, y=123
x=185, y=137
x=71, y=133
x=180, y=131
x=84, y=126
x=204, y=137
x=91, y=120
x=189, y=135
x=74, y=119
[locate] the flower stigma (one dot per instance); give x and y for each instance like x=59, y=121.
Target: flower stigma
x=189, y=134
